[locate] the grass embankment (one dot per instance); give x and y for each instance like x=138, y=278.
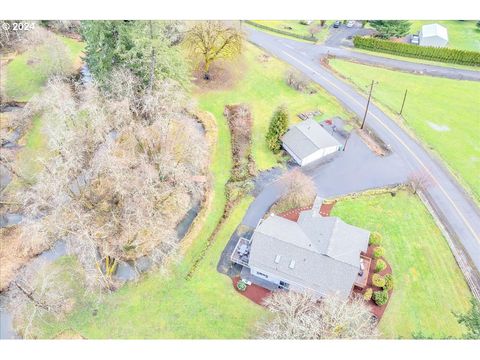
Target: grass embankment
x=166, y=305
x=443, y=113
x=295, y=27
x=261, y=85
x=24, y=77
x=462, y=34
x=428, y=283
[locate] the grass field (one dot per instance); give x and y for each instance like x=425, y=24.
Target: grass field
x=443, y=113
x=428, y=283
x=24, y=77
x=295, y=27
x=262, y=86
x=463, y=35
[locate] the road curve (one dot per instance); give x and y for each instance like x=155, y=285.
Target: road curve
x=453, y=205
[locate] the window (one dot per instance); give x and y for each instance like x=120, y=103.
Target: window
x=262, y=274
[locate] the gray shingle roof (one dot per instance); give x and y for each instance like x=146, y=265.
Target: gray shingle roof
x=326, y=251
x=307, y=137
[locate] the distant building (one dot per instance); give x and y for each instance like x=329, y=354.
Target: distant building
x=320, y=255
x=309, y=141
x=433, y=35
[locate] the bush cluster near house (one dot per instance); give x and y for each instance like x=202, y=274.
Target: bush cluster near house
x=389, y=282
x=375, y=238
x=380, y=297
x=380, y=265
x=378, y=280
x=378, y=252
x=455, y=56
x=367, y=295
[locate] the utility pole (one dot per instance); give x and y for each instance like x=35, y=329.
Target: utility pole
x=403, y=103
x=346, y=141
x=368, y=104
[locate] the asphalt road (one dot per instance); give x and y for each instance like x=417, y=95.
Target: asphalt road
x=453, y=205
x=338, y=45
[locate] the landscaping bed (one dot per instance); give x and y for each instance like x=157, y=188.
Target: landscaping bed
x=253, y=292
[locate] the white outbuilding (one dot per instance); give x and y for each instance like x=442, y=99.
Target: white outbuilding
x=309, y=141
x=433, y=35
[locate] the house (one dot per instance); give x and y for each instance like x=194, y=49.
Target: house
x=433, y=35
x=321, y=255
x=309, y=141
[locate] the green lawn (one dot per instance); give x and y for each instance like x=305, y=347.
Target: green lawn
x=262, y=86
x=428, y=283
x=23, y=77
x=461, y=34
x=297, y=28
x=443, y=113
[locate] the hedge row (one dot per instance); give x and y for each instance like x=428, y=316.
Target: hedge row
x=448, y=55
x=283, y=32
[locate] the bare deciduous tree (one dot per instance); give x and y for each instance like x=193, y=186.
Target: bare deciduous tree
x=299, y=190
x=213, y=40
x=300, y=316
x=120, y=176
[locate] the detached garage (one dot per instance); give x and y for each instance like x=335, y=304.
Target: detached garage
x=309, y=141
x=433, y=35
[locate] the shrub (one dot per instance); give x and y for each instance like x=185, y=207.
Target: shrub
x=380, y=265
x=299, y=82
x=278, y=127
x=368, y=294
x=241, y=286
x=375, y=238
x=388, y=282
x=378, y=252
x=448, y=55
x=380, y=297
x=378, y=280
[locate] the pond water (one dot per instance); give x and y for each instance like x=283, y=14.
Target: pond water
x=10, y=220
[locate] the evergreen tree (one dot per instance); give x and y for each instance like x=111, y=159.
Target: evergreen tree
x=391, y=28
x=143, y=47
x=471, y=320
x=278, y=127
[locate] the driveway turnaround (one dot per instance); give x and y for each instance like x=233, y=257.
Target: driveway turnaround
x=452, y=205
